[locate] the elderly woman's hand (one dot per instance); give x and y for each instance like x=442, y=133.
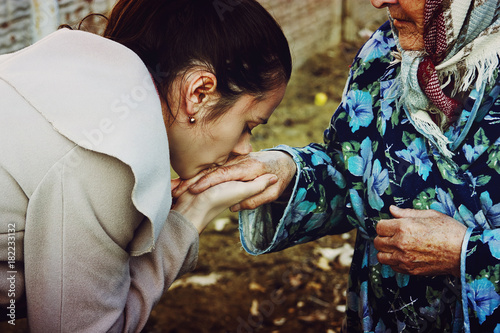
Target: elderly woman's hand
x=420, y=242
x=245, y=168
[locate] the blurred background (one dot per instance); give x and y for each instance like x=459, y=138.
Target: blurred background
x=301, y=289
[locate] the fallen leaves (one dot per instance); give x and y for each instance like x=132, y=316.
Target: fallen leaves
x=328, y=255
x=197, y=280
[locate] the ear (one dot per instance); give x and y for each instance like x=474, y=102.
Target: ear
x=199, y=87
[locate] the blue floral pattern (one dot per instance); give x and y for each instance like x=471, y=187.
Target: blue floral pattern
x=416, y=154
x=372, y=157
x=483, y=298
x=358, y=105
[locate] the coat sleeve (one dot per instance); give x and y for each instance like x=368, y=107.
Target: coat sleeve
x=480, y=275
x=316, y=208
x=79, y=275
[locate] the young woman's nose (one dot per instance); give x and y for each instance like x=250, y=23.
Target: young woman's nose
x=243, y=146
x=383, y=3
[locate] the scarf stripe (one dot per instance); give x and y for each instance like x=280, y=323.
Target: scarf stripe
x=435, y=42
x=435, y=31
x=431, y=86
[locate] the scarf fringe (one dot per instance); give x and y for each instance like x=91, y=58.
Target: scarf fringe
x=423, y=122
x=478, y=68
x=421, y=119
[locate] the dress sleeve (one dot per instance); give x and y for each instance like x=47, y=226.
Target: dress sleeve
x=480, y=275
x=316, y=207
x=79, y=274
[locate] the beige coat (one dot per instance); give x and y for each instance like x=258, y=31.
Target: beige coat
x=85, y=188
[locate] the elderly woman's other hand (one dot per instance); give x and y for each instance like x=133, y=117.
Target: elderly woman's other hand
x=420, y=242
x=245, y=168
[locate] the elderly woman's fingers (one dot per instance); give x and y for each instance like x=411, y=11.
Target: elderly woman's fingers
x=387, y=228
x=249, y=167
x=412, y=213
x=241, y=168
x=420, y=242
x=383, y=243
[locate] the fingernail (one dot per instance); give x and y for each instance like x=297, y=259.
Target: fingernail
x=236, y=208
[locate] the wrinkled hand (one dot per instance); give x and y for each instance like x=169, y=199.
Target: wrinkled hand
x=202, y=208
x=420, y=242
x=245, y=168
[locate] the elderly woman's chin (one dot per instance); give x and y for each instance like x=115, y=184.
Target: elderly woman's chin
x=411, y=42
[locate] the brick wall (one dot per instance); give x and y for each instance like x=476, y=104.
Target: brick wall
x=310, y=25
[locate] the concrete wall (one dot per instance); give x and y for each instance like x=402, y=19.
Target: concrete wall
x=313, y=25
x=24, y=21
x=310, y=25
x=15, y=24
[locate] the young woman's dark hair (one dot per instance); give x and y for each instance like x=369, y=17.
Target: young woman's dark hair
x=236, y=39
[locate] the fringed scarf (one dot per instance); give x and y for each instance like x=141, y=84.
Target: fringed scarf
x=462, y=49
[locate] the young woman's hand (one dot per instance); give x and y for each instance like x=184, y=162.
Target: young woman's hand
x=245, y=168
x=202, y=208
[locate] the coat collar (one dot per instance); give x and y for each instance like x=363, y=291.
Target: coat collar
x=100, y=95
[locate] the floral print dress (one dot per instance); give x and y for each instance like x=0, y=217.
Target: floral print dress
x=372, y=158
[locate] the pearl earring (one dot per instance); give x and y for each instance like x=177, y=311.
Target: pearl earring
x=192, y=120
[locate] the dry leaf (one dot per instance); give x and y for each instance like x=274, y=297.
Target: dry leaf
x=344, y=254
x=197, y=280
x=295, y=280
x=256, y=286
x=254, y=309
x=279, y=321
x=219, y=224
x=323, y=264
x=316, y=316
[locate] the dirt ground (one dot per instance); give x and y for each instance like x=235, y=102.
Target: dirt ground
x=301, y=289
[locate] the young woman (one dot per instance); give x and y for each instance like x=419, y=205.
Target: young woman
x=90, y=126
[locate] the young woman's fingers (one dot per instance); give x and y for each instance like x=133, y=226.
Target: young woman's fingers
x=185, y=184
x=174, y=184
x=233, y=192
x=269, y=195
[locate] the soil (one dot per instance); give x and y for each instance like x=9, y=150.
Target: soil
x=300, y=289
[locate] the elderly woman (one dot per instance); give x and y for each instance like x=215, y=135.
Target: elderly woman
x=411, y=160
